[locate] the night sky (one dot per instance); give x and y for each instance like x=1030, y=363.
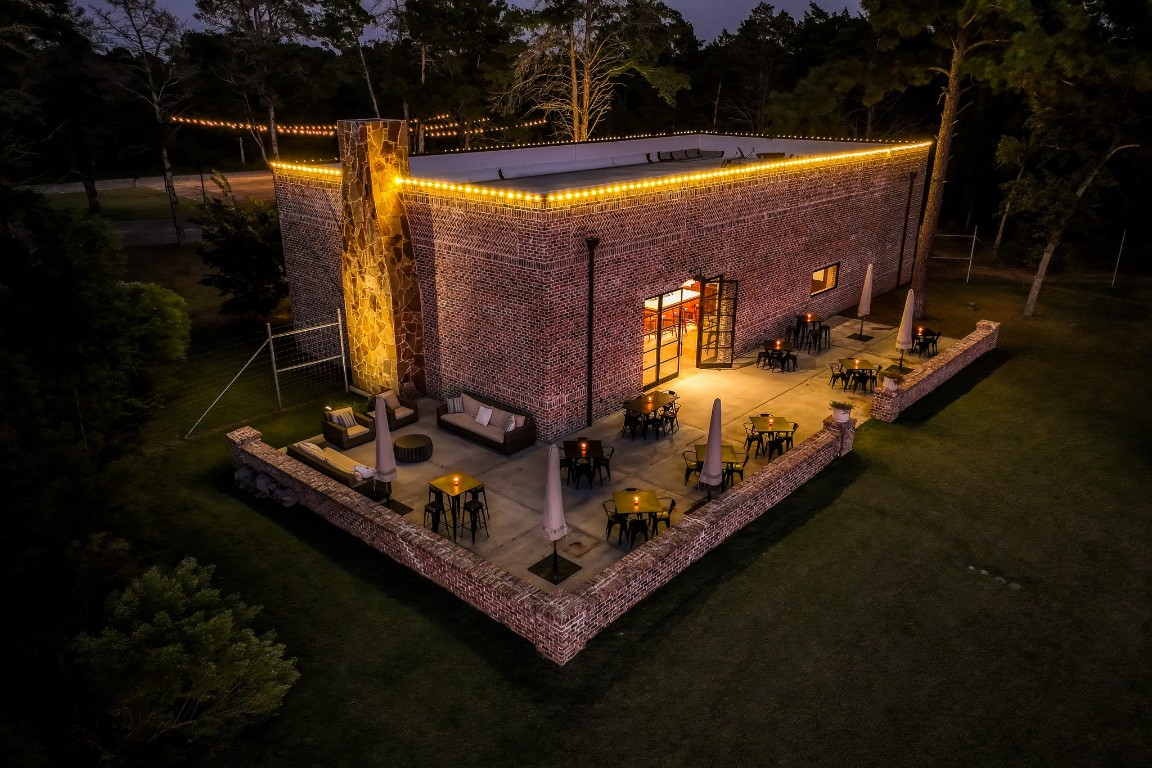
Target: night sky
x=708, y=17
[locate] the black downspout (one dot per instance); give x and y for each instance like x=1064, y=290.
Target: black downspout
x=591, y=242
x=904, y=232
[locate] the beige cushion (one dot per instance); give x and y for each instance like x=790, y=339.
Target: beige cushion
x=391, y=400
x=493, y=432
x=339, y=460
x=402, y=412
x=357, y=430
x=471, y=405
x=520, y=421
x=484, y=416
x=311, y=449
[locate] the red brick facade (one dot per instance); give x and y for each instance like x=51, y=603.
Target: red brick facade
x=887, y=405
x=559, y=624
x=504, y=286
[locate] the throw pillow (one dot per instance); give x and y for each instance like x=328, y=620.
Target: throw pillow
x=511, y=425
x=311, y=449
x=483, y=415
x=391, y=400
x=363, y=472
x=344, y=417
x=520, y=421
x=471, y=405
x=455, y=405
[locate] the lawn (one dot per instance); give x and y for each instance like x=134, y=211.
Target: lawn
x=131, y=204
x=971, y=586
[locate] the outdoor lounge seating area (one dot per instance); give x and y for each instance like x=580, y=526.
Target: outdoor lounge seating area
x=482, y=486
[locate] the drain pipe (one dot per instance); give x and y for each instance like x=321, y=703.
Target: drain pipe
x=591, y=243
x=904, y=232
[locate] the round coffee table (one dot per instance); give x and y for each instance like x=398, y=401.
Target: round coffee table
x=412, y=448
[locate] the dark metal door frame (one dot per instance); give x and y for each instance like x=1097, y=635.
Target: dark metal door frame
x=716, y=343
x=667, y=367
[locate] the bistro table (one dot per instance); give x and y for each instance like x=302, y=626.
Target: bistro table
x=858, y=369
x=776, y=350
x=637, y=502
x=582, y=454
x=727, y=456
x=649, y=405
x=771, y=425
x=454, y=485
x=923, y=339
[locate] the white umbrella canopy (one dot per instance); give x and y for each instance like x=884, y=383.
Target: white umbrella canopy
x=385, y=458
x=713, y=471
x=866, y=295
x=555, y=526
x=904, y=336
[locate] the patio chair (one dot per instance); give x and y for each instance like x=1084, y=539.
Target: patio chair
x=838, y=375
x=614, y=519
x=670, y=417
x=738, y=467
x=632, y=422
x=346, y=429
x=434, y=509
x=668, y=504
x=604, y=464
x=776, y=444
x=691, y=465
x=752, y=436
x=789, y=437
x=637, y=526
x=476, y=512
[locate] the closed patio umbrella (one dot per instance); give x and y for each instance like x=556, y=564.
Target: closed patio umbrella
x=712, y=473
x=904, y=335
x=554, y=525
x=865, y=307
x=385, y=458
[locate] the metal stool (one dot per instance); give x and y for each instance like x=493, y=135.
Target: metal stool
x=476, y=511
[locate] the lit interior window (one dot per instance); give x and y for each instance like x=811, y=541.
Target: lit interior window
x=824, y=279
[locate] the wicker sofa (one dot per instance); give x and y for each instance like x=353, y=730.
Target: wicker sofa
x=496, y=434
x=338, y=467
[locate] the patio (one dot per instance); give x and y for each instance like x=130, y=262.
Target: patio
x=515, y=484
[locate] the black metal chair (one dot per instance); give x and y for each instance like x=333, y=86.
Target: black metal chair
x=602, y=464
x=632, y=421
x=838, y=375
x=691, y=465
x=671, y=417
x=738, y=467
x=789, y=437
x=434, y=509
x=667, y=504
x=614, y=519
x=476, y=512
x=753, y=437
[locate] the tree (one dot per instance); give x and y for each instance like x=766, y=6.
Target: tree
x=577, y=50
x=258, y=30
x=1088, y=86
x=962, y=29
x=177, y=663
x=150, y=36
x=240, y=240
x=343, y=24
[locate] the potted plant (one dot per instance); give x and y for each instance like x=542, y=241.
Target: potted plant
x=892, y=380
x=840, y=410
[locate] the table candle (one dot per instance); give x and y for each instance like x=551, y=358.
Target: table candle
x=771, y=421
x=809, y=315
x=920, y=331
x=636, y=501
x=777, y=343
x=455, y=479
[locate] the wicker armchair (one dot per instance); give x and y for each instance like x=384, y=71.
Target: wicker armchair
x=349, y=437
x=401, y=410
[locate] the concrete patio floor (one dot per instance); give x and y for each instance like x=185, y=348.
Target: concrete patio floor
x=514, y=485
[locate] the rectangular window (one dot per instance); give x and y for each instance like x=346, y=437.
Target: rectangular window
x=825, y=279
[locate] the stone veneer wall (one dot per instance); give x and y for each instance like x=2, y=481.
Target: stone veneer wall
x=381, y=292
x=309, y=210
x=505, y=287
x=927, y=377
x=561, y=623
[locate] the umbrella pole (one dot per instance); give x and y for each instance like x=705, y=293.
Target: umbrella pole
x=901, y=361
x=555, y=560
x=861, y=334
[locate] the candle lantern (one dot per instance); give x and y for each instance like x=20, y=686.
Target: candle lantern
x=455, y=479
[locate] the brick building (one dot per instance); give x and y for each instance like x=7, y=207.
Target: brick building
x=563, y=279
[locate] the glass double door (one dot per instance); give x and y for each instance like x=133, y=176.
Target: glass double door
x=695, y=322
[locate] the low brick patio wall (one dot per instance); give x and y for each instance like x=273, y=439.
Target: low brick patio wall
x=888, y=405
x=559, y=624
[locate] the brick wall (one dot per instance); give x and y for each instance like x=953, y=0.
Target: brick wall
x=504, y=287
x=310, y=228
x=925, y=378
x=559, y=624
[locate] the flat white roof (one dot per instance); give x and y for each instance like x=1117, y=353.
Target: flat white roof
x=552, y=168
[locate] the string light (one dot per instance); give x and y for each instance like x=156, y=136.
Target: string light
x=296, y=130
x=700, y=178
x=308, y=170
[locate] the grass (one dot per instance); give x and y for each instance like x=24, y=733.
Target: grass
x=131, y=204
x=864, y=622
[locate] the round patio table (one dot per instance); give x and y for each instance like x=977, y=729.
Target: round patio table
x=412, y=448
